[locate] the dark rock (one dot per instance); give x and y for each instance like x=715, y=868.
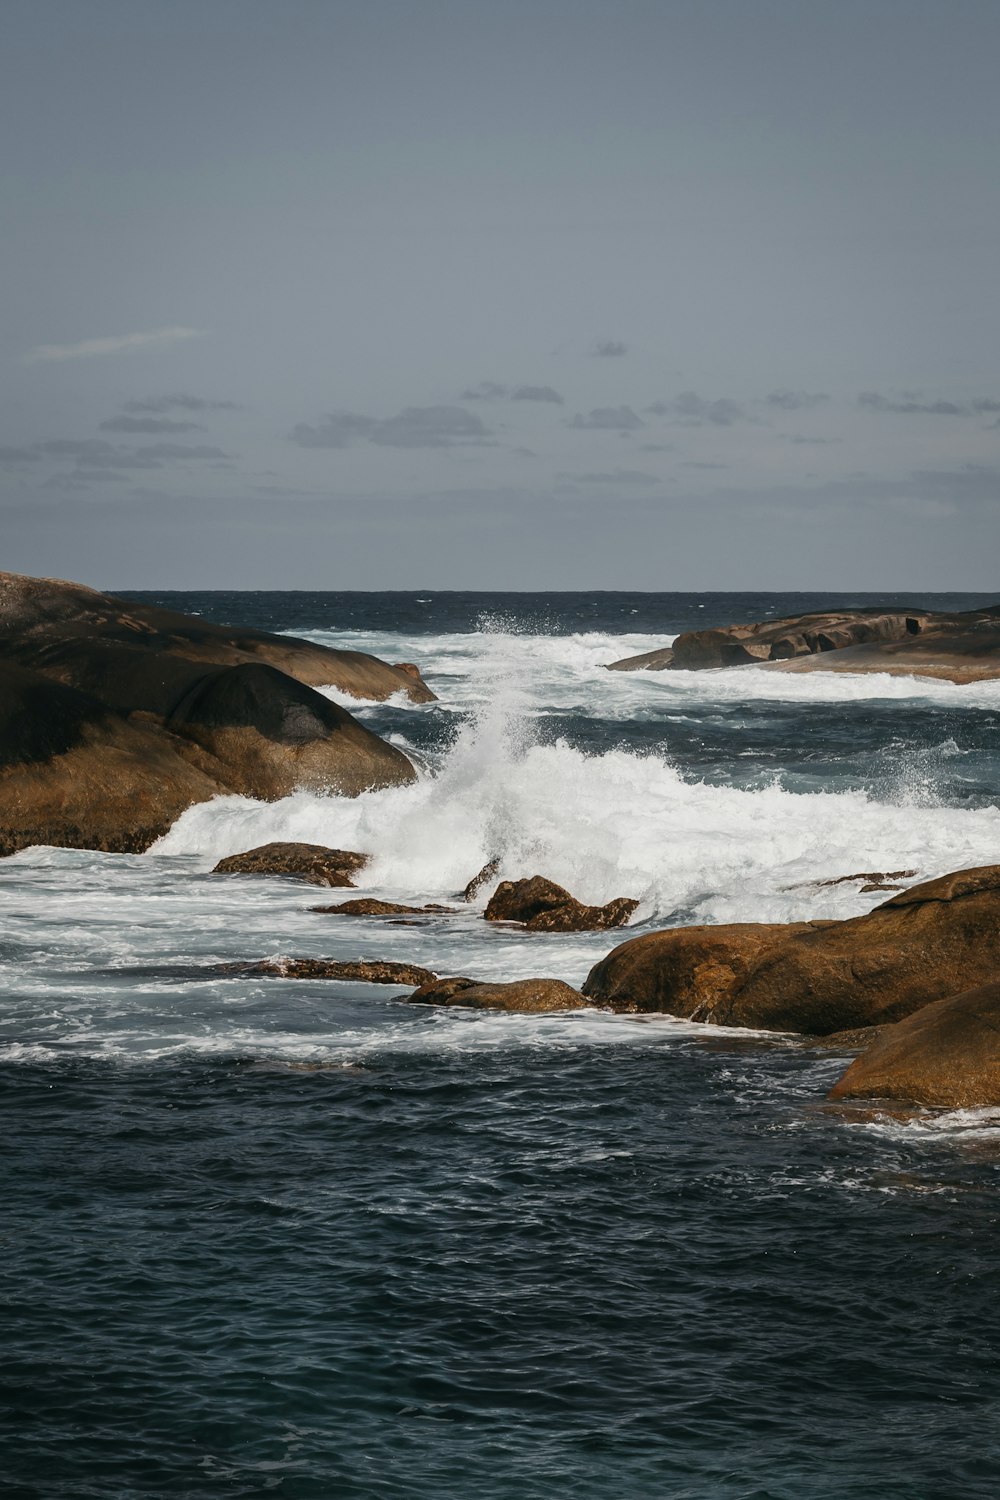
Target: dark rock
x=311, y=862
x=934, y=939
x=648, y=661
x=528, y=995
x=947, y=1055
x=273, y=735
x=477, y=882
x=542, y=906
x=40, y=618
x=363, y=971
x=871, y=879
x=77, y=775
x=368, y=906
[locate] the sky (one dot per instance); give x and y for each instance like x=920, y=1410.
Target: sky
x=568, y=294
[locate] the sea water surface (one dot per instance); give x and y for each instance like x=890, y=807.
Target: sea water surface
x=292, y=1238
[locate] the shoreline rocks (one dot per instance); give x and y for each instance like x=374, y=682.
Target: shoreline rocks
x=532, y=996
x=540, y=905
x=314, y=863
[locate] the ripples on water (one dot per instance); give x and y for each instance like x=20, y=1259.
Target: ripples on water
x=277, y=1237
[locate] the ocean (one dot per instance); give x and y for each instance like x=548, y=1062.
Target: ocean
x=269, y=1237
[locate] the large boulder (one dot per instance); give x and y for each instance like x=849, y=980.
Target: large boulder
x=818, y=977
x=947, y=1054
x=542, y=906
x=526, y=995
x=51, y=625
x=74, y=773
x=273, y=735
x=314, y=863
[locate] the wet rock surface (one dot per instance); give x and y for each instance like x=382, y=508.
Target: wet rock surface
x=526, y=995
x=310, y=862
x=935, y=939
x=540, y=905
x=369, y=906
x=362, y=970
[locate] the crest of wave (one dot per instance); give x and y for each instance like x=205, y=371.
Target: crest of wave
x=602, y=825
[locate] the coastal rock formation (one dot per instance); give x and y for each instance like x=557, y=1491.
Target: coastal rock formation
x=486, y=874
x=542, y=906
x=369, y=906
x=51, y=626
x=362, y=971
x=75, y=774
x=528, y=995
x=947, y=1054
x=958, y=647
x=935, y=939
x=314, y=863
x=118, y=719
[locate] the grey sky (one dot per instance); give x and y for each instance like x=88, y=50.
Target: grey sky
x=374, y=293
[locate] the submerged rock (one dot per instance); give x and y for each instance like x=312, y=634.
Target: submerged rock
x=542, y=906
x=935, y=939
x=947, y=1054
x=369, y=906
x=362, y=970
x=311, y=862
x=528, y=995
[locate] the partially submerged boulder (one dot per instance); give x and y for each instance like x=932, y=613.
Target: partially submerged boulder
x=314, y=863
x=947, y=1054
x=527, y=995
x=360, y=971
x=370, y=906
x=542, y=906
x=935, y=939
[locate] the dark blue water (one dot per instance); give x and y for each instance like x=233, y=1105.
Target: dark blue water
x=517, y=1269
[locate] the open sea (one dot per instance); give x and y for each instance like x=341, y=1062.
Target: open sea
x=266, y=1237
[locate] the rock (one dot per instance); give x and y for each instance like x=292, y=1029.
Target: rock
x=871, y=880
x=314, y=863
x=529, y=995
x=542, y=906
x=368, y=906
x=77, y=775
x=947, y=1054
x=798, y=635
x=934, y=939
x=274, y=735
x=648, y=661
x=477, y=882
x=363, y=971
x=40, y=618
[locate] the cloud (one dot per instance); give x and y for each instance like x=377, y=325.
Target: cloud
x=693, y=410
x=615, y=476
x=703, y=463
x=169, y=452
x=607, y=419
x=812, y=442
x=911, y=403
x=96, y=453
x=486, y=390
x=149, y=424
x=795, y=400
x=656, y=447
x=155, y=338
x=536, y=393
x=179, y=401
x=414, y=427
x=17, y=455
x=609, y=349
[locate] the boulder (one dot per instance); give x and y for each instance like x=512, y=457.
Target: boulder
x=361, y=971
x=314, y=863
x=529, y=995
x=368, y=906
x=41, y=618
x=542, y=906
x=947, y=1054
x=648, y=661
x=934, y=939
x=477, y=882
x=273, y=735
x=77, y=775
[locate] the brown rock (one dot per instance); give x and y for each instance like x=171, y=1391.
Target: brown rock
x=368, y=906
x=311, y=862
x=648, y=661
x=947, y=1054
x=542, y=906
x=529, y=995
x=819, y=977
x=363, y=971
x=41, y=618
x=477, y=882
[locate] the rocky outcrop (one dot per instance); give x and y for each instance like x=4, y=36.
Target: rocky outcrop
x=818, y=977
x=314, y=863
x=540, y=905
x=361, y=971
x=74, y=773
x=486, y=874
x=958, y=647
x=368, y=906
x=947, y=1054
x=53, y=626
x=526, y=995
